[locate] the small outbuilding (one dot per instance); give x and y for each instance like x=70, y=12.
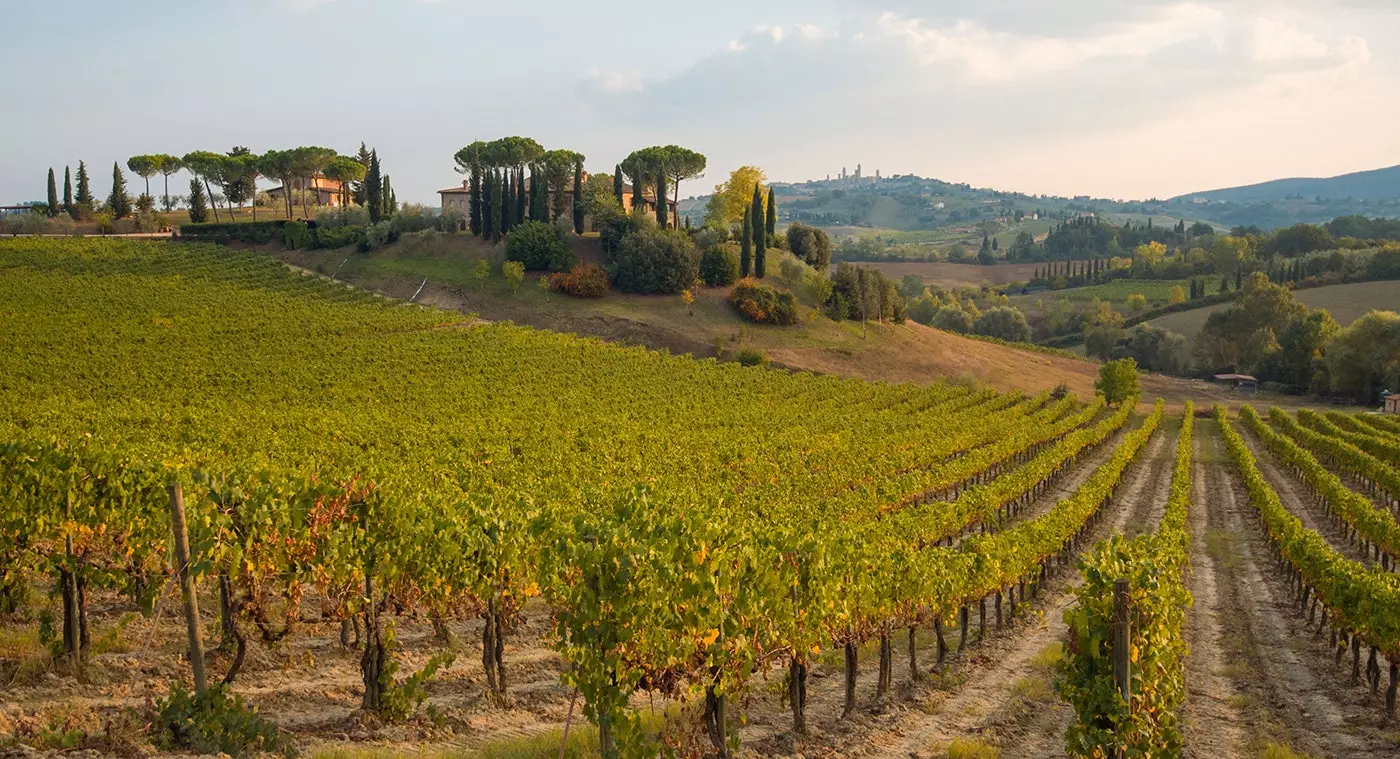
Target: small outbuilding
x=1391, y=404
x=1242, y=383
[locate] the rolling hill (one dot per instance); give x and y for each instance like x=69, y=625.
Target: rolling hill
x=1376, y=184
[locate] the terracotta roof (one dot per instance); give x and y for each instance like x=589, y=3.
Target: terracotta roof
x=455, y=190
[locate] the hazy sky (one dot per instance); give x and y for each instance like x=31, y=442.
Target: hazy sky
x=1112, y=98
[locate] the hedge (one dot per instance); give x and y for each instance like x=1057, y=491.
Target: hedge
x=251, y=232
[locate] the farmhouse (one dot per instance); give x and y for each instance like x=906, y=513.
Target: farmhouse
x=1243, y=383
x=328, y=191
x=459, y=199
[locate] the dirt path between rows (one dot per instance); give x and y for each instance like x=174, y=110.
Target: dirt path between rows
x=1210, y=718
x=1254, y=675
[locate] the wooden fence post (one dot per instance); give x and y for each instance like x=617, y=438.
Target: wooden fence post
x=182, y=558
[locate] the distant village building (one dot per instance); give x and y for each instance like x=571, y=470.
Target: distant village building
x=328, y=191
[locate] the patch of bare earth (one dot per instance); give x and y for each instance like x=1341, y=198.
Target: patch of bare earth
x=1256, y=674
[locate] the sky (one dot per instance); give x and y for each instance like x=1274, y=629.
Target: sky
x=1109, y=98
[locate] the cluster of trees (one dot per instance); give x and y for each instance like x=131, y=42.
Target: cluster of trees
x=78, y=206
x=1269, y=334
x=235, y=174
x=501, y=196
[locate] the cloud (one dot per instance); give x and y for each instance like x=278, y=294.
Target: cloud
x=924, y=92
x=615, y=81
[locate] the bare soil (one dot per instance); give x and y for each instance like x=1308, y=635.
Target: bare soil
x=1255, y=674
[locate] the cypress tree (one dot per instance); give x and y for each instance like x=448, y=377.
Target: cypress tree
x=578, y=198
x=68, y=206
x=391, y=202
x=474, y=202
x=489, y=215
x=83, y=200
x=360, y=196
x=617, y=184
x=498, y=199
x=520, y=200
x=661, y=216
x=507, y=202
x=199, y=212
x=772, y=228
x=746, y=244
x=120, y=203
x=539, y=194
x=760, y=243
x=374, y=189
x=53, y=196
x=760, y=239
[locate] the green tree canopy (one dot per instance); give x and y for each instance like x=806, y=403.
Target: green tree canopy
x=144, y=166
x=1364, y=358
x=346, y=171
x=1118, y=381
x=732, y=197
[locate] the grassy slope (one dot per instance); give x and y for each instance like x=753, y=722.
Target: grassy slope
x=903, y=353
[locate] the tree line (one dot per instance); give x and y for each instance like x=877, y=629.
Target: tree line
x=235, y=174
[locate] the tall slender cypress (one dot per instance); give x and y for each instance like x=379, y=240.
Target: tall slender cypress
x=760, y=239
x=502, y=206
x=490, y=216
x=474, y=202
x=772, y=229
x=538, y=210
x=520, y=202
x=68, y=206
x=662, y=218
x=374, y=189
x=746, y=244
x=53, y=196
x=760, y=236
x=83, y=200
x=118, y=200
x=507, y=202
x=578, y=198
x=617, y=184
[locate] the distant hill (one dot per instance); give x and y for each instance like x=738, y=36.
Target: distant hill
x=1377, y=184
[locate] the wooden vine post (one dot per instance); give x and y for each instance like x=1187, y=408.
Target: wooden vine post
x=191, y=602
x=1122, y=635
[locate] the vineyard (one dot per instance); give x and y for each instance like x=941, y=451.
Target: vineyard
x=349, y=520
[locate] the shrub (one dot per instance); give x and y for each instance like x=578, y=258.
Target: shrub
x=655, y=261
x=214, y=723
x=719, y=267
x=952, y=319
x=752, y=357
x=1003, y=323
x=583, y=281
x=922, y=310
x=762, y=304
x=539, y=246
x=348, y=216
x=295, y=235
x=336, y=237
x=249, y=233
x=614, y=226
x=810, y=244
